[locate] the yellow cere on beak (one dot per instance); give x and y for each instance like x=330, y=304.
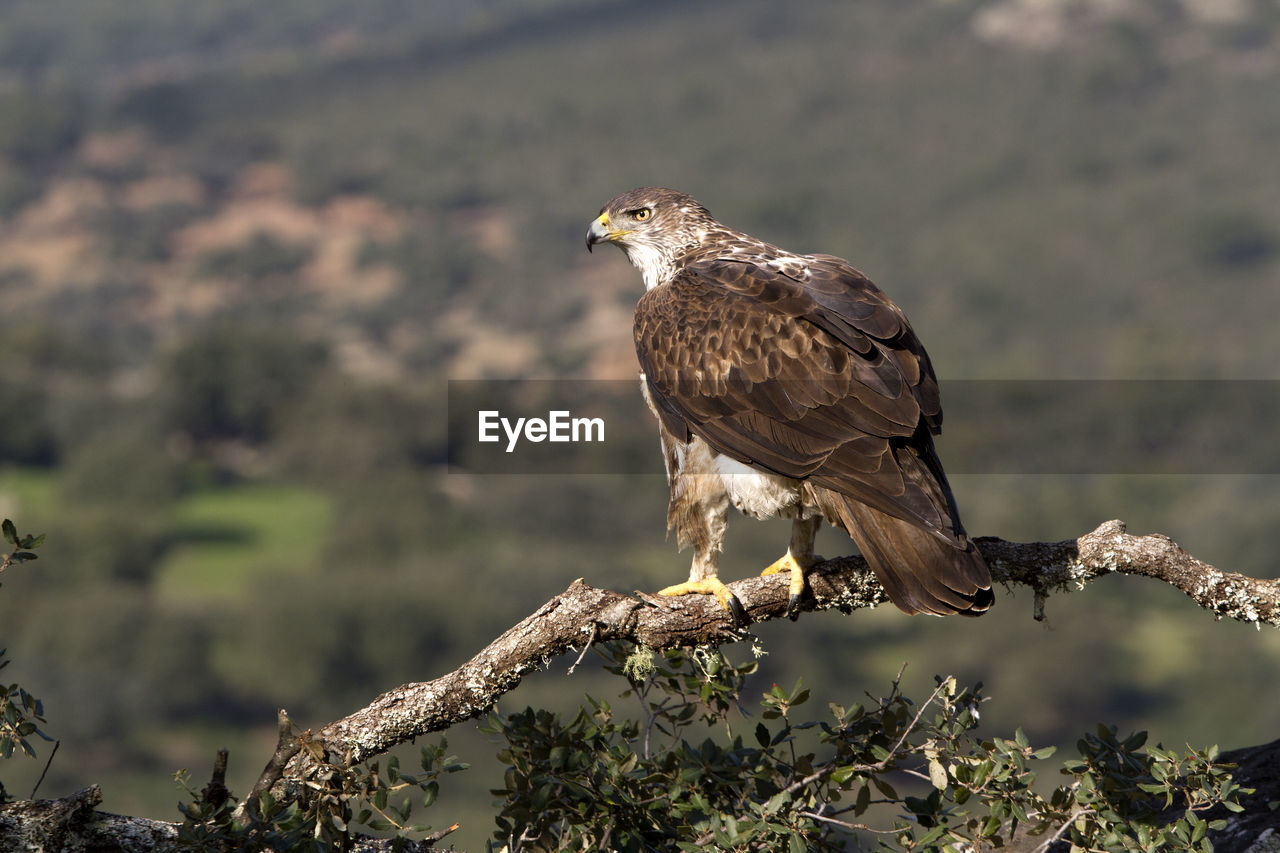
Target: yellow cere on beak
x=600, y=231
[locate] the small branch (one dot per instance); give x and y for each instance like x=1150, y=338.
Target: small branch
x=216, y=793
x=287, y=746
x=45, y=771
x=436, y=836
x=585, y=648
x=844, y=824
x=1062, y=830
x=585, y=614
x=882, y=763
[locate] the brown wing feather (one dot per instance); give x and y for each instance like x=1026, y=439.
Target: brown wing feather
x=765, y=374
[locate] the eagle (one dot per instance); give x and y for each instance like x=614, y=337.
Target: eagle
x=789, y=385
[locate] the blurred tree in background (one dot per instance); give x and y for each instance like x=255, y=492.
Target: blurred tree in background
x=230, y=383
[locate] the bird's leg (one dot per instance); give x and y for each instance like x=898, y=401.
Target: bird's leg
x=708, y=541
x=798, y=559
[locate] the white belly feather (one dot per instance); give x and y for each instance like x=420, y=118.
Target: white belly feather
x=755, y=493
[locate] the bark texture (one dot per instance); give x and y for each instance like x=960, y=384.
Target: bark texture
x=73, y=825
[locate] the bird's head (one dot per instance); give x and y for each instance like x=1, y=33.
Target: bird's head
x=654, y=226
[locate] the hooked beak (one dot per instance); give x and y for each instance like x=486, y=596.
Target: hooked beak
x=599, y=231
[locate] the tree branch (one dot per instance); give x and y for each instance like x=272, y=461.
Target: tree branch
x=73, y=825
x=1069, y=565
x=583, y=614
x=287, y=746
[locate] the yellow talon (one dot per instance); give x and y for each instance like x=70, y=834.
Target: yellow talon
x=788, y=563
x=711, y=586
x=708, y=586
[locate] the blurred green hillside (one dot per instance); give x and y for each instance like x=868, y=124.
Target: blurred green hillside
x=245, y=246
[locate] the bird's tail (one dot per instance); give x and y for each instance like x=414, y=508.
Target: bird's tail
x=921, y=571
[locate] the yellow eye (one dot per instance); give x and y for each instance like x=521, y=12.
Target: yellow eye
x=642, y=214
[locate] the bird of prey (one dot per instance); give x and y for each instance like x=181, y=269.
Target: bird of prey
x=789, y=385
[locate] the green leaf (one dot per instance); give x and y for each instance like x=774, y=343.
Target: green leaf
x=863, y=800
x=885, y=788
x=932, y=835
x=10, y=532
x=776, y=802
